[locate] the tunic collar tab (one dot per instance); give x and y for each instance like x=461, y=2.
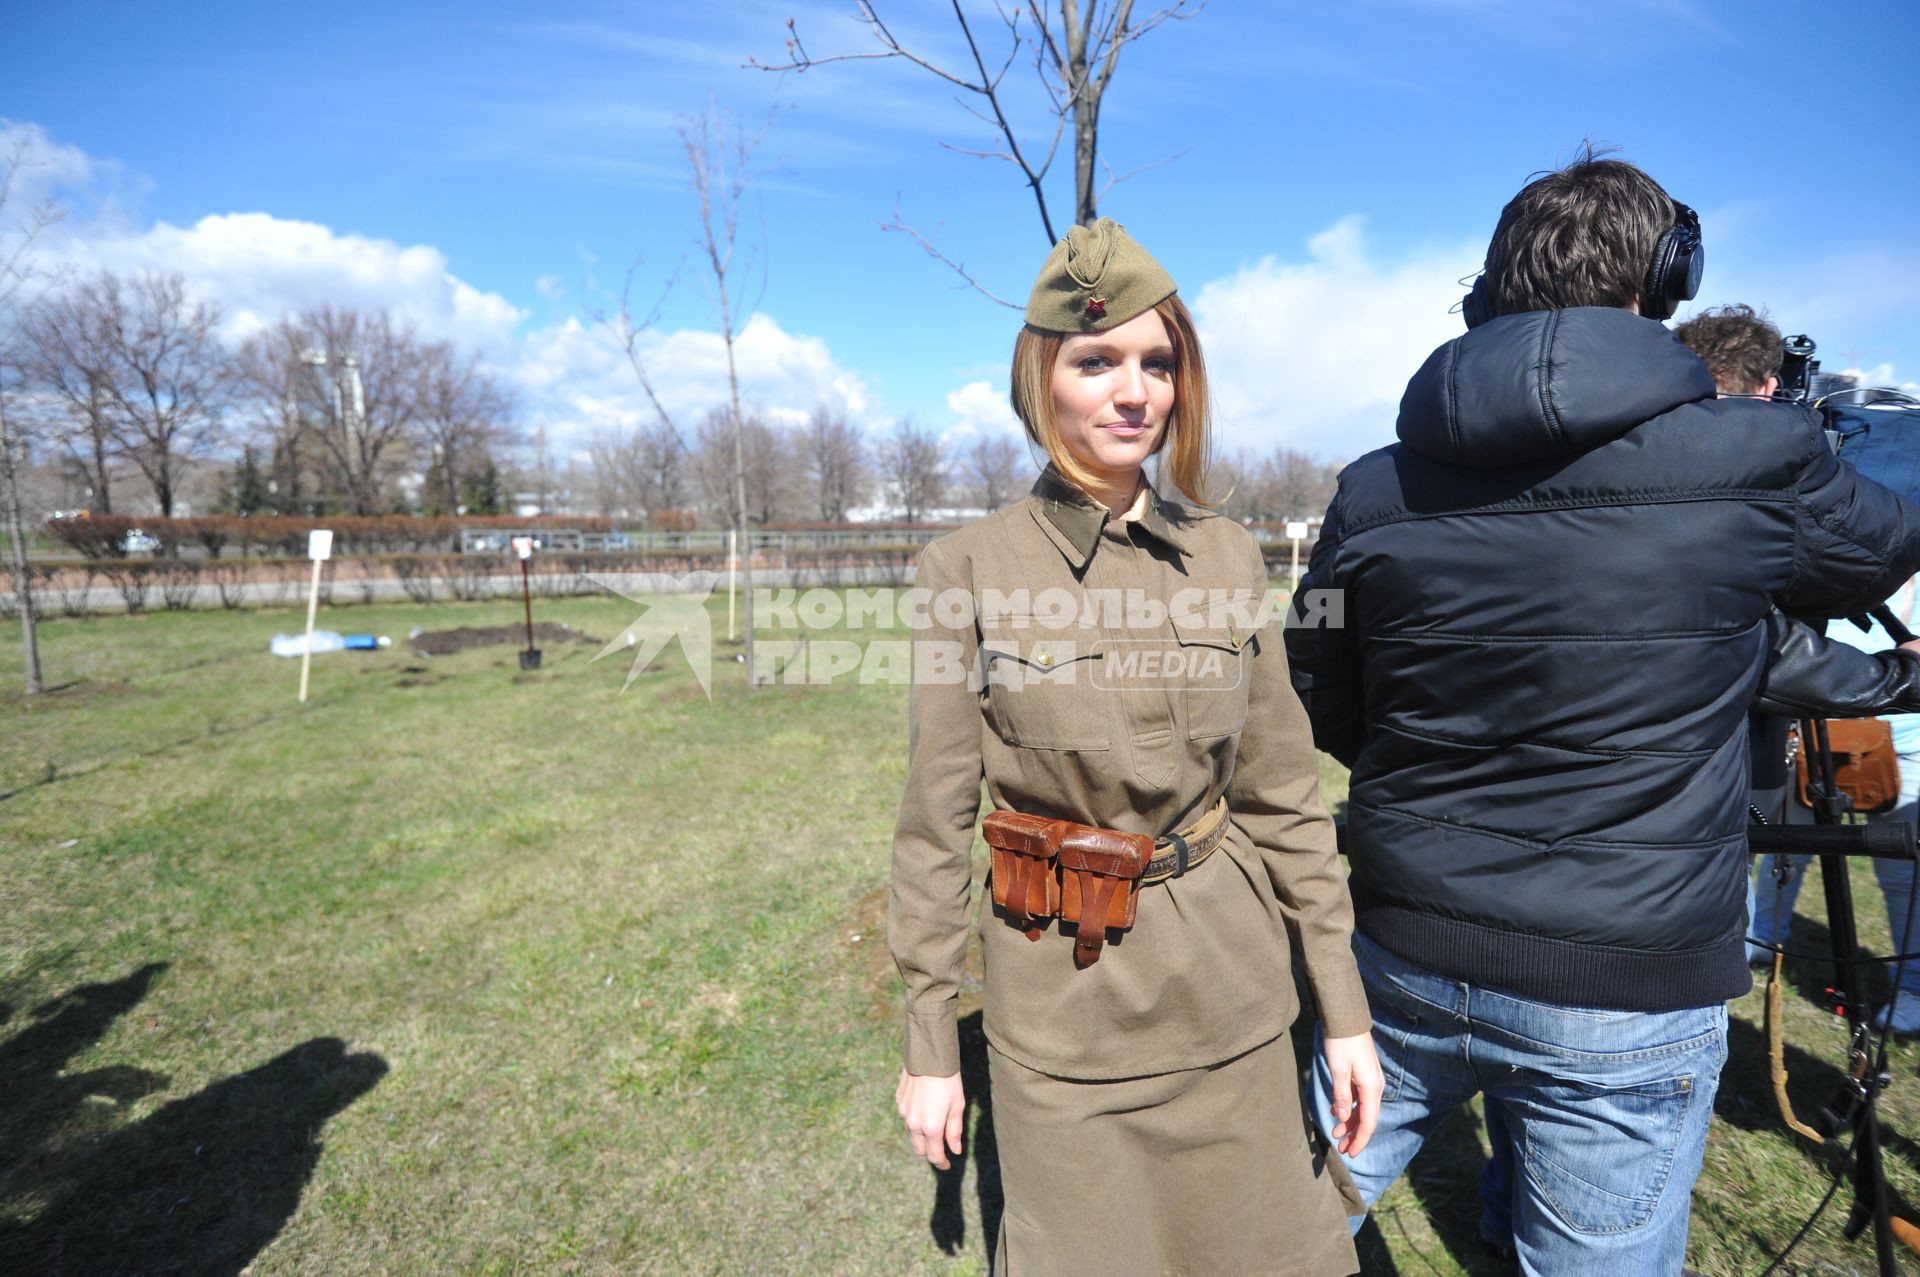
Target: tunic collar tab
x=1076, y=519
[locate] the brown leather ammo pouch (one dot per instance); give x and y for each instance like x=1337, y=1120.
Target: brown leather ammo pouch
x=1025, y=883
x=1864, y=764
x=1100, y=884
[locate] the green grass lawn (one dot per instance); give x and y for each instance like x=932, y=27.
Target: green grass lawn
x=459, y=969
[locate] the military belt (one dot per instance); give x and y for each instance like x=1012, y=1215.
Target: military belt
x=1179, y=852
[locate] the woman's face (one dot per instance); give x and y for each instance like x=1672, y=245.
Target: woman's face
x=1112, y=395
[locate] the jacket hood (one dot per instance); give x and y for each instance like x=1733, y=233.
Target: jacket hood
x=1548, y=383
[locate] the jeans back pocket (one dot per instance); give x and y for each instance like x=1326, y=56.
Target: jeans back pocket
x=1601, y=1156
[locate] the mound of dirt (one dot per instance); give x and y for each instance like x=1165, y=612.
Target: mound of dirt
x=447, y=642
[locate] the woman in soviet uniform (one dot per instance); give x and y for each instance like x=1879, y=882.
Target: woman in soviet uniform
x=1099, y=655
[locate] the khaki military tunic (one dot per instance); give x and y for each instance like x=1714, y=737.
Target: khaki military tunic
x=1046, y=670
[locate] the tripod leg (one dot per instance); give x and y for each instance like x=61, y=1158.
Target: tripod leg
x=1870, y=1188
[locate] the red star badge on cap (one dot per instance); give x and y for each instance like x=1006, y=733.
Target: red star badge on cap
x=1097, y=308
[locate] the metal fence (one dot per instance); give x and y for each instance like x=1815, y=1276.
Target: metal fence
x=714, y=541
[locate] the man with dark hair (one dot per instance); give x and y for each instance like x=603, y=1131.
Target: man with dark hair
x=1738, y=346
x=1742, y=351
x=1558, y=594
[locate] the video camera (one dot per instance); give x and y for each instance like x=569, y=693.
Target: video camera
x=1801, y=381
x=1797, y=368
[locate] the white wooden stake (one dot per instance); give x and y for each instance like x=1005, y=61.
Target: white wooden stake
x=313, y=604
x=1296, y=532
x=319, y=549
x=733, y=566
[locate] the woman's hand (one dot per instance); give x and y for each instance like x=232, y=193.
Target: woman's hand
x=1357, y=1086
x=935, y=1108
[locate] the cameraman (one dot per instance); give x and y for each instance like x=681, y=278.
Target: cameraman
x=1541, y=684
x=1847, y=675
x=1810, y=676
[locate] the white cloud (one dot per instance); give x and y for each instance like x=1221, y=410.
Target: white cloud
x=50, y=169
x=260, y=268
x=1314, y=354
x=1881, y=375
x=580, y=380
x=980, y=409
x=574, y=377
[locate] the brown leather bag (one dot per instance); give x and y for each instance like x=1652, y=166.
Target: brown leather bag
x=1864, y=764
x=1025, y=882
x=1080, y=874
x=1100, y=884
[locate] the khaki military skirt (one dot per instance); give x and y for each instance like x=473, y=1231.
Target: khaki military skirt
x=1201, y=1173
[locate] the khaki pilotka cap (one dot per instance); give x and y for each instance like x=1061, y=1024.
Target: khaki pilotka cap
x=1096, y=278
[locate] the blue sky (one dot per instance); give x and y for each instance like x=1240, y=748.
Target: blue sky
x=492, y=169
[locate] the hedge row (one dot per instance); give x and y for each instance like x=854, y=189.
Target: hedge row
x=104, y=537
x=142, y=585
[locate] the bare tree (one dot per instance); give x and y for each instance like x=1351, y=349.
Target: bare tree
x=347, y=383
x=912, y=461
x=168, y=382
x=464, y=414
x=1072, y=46
x=647, y=470
x=1285, y=484
x=1231, y=474
x=542, y=475
x=1301, y=486
x=70, y=364
x=836, y=464
x=20, y=276
x=764, y=481
x=612, y=470
x=719, y=159
x=995, y=463
x=660, y=468
x=267, y=387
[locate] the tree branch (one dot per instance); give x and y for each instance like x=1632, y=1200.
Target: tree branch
x=934, y=252
x=627, y=333
x=1113, y=181
x=988, y=86
x=798, y=59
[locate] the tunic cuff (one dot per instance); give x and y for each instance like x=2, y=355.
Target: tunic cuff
x=933, y=1040
x=1342, y=1001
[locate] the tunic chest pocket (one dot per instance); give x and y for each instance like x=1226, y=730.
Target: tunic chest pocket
x=1214, y=665
x=1043, y=686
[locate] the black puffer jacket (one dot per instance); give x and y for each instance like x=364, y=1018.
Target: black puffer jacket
x=1557, y=590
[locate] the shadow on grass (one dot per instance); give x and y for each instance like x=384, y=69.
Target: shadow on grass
x=1444, y=1177
x=45, y=1103
x=1812, y=975
x=1746, y=1100
x=201, y=1185
x=948, y=1222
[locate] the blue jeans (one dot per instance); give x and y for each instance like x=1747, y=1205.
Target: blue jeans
x=1605, y=1112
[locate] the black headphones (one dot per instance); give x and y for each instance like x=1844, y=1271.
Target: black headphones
x=1673, y=275
x=1678, y=262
